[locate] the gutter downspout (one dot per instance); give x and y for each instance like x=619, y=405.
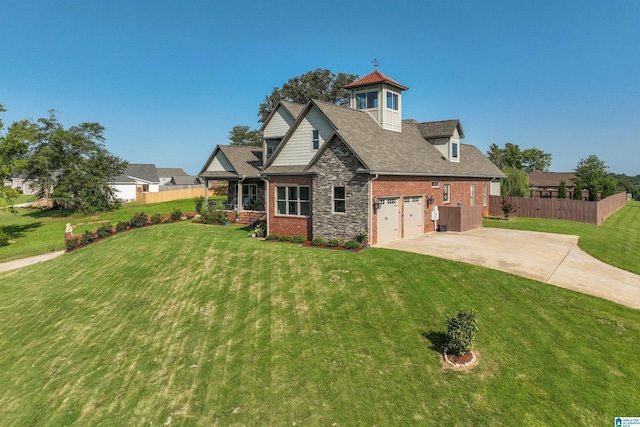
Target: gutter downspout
x=371, y=208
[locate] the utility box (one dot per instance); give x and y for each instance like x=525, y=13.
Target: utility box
x=435, y=214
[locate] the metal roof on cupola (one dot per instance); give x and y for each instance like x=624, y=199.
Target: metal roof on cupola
x=373, y=78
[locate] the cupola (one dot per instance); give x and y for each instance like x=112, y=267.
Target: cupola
x=379, y=96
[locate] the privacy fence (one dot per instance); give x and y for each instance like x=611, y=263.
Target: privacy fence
x=184, y=193
x=573, y=210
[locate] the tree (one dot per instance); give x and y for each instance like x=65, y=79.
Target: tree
x=14, y=145
x=516, y=183
x=72, y=166
x=562, y=190
x=241, y=135
x=591, y=173
x=512, y=156
x=320, y=84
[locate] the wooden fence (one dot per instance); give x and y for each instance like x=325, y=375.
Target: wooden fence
x=573, y=210
x=460, y=218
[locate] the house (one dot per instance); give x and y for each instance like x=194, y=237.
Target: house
x=136, y=178
x=184, y=180
x=335, y=172
x=22, y=183
x=166, y=174
x=546, y=184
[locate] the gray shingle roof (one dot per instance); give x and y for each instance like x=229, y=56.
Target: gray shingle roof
x=401, y=153
x=293, y=108
x=551, y=179
x=441, y=129
x=141, y=171
x=169, y=172
x=184, y=180
x=246, y=161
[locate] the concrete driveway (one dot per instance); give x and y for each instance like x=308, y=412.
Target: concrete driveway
x=546, y=257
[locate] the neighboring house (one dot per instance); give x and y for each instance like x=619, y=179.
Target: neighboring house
x=21, y=182
x=136, y=178
x=546, y=184
x=333, y=171
x=166, y=174
x=184, y=180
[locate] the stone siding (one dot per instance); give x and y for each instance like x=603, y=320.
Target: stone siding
x=337, y=167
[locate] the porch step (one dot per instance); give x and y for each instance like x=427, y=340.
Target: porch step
x=249, y=217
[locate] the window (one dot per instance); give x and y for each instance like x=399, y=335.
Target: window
x=315, y=139
x=293, y=200
x=484, y=195
x=366, y=100
x=446, y=193
x=392, y=100
x=435, y=184
x=472, y=195
x=454, y=150
x=339, y=200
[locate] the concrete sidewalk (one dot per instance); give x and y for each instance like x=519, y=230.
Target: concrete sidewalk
x=18, y=263
x=546, y=257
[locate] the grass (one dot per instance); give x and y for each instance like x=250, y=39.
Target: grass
x=37, y=231
x=26, y=198
x=186, y=324
x=615, y=242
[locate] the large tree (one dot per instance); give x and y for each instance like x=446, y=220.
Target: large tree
x=512, y=156
x=591, y=174
x=320, y=84
x=14, y=146
x=516, y=183
x=243, y=135
x=72, y=166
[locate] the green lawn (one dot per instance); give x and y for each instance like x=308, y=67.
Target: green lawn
x=185, y=324
x=37, y=232
x=616, y=242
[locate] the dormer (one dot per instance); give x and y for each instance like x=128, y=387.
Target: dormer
x=277, y=125
x=445, y=136
x=379, y=96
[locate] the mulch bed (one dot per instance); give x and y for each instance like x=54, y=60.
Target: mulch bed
x=308, y=244
x=460, y=360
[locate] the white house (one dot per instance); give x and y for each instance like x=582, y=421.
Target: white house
x=136, y=178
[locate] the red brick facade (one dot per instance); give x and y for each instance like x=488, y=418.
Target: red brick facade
x=399, y=186
x=284, y=224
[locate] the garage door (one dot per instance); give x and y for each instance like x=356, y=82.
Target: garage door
x=413, y=216
x=388, y=219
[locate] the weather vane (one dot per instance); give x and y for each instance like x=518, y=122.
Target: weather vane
x=375, y=63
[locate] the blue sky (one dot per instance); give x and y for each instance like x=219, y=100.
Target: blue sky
x=169, y=79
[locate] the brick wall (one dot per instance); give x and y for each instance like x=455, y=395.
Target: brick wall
x=398, y=186
x=283, y=224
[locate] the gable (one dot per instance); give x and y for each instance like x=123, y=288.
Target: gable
x=220, y=163
x=278, y=124
x=297, y=148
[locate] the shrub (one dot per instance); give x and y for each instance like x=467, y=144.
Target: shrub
x=271, y=237
x=332, y=243
x=176, y=215
x=87, y=237
x=285, y=238
x=199, y=203
x=351, y=244
x=362, y=236
x=217, y=216
x=4, y=238
x=156, y=218
x=138, y=220
x=104, y=230
x=71, y=243
x=317, y=241
x=299, y=239
x=506, y=207
x=461, y=329
x=122, y=225
x=261, y=228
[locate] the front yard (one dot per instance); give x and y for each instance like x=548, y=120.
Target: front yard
x=186, y=324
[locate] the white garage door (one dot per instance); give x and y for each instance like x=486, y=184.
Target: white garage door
x=413, y=216
x=388, y=220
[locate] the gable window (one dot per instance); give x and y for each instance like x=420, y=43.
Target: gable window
x=293, y=200
x=339, y=200
x=392, y=100
x=366, y=100
x=435, y=184
x=454, y=150
x=315, y=139
x=446, y=193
